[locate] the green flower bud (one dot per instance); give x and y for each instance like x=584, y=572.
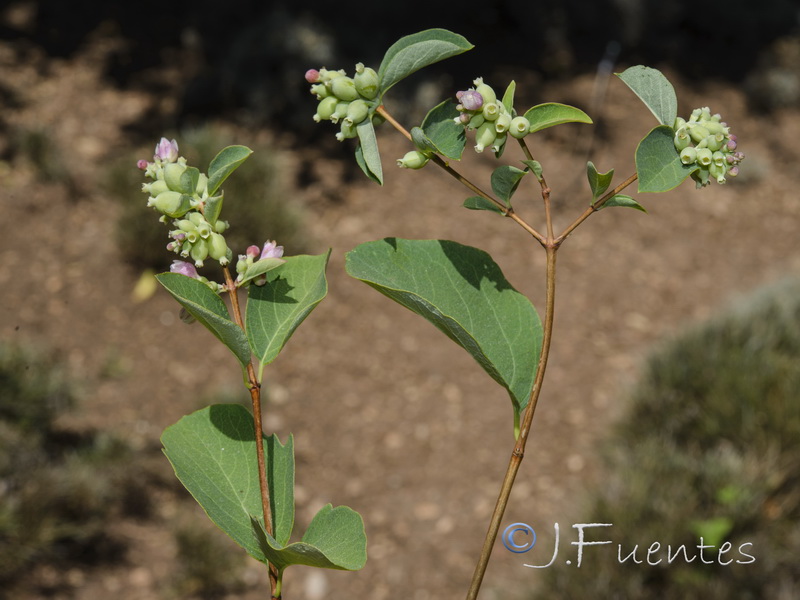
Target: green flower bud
x=347, y=131
x=320, y=91
x=344, y=88
x=366, y=81
x=172, y=175
x=340, y=112
x=357, y=111
x=186, y=225
x=704, y=157
x=698, y=133
x=218, y=249
x=491, y=110
x=718, y=159
x=169, y=203
x=679, y=123
x=499, y=141
x=688, y=155
x=413, y=160
x=475, y=122
x=520, y=126
x=486, y=92
x=681, y=139
x=204, y=230
x=714, y=127
x=717, y=172
x=325, y=108
x=221, y=226
x=155, y=188
x=485, y=136
x=199, y=252
x=502, y=123
x=714, y=142
x=196, y=218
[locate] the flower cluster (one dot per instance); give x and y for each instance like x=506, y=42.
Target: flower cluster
x=180, y=192
x=252, y=255
x=342, y=99
x=481, y=111
x=706, y=140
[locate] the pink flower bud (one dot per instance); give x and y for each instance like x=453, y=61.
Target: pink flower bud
x=253, y=252
x=142, y=164
x=166, y=151
x=312, y=76
x=272, y=250
x=471, y=100
x=183, y=268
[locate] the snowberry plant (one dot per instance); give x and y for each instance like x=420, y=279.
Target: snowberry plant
x=460, y=289
x=244, y=480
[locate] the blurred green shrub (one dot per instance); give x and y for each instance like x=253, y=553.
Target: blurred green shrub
x=59, y=489
x=257, y=203
x=711, y=448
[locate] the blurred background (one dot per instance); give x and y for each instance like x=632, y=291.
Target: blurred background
x=672, y=405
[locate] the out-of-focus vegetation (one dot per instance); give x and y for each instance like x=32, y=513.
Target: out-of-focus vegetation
x=60, y=490
x=711, y=449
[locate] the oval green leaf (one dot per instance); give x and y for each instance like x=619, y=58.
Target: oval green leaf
x=481, y=203
x=461, y=291
x=654, y=90
x=276, y=309
x=505, y=180
x=658, y=164
x=226, y=162
x=368, y=156
x=625, y=201
x=209, y=309
x=260, y=267
x=598, y=182
x=413, y=52
x=550, y=114
x=447, y=136
x=213, y=453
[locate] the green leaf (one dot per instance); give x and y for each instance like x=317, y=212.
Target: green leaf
x=598, y=182
x=226, y=162
x=209, y=309
x=658, y=163
x=413, y=52
x=465, y=295
x=335, y=539
x=505, y=180
x=213, y=452
x=481, y=203
x=508, y=97
x=189, y=179
x=422, y=142
x=447, y=136
x=277, y=308
x=623, y=200
x=367, y=154
x=535, y=167
x=212, y=209
x=654, y=90
x=550, y=114
x=260, y=267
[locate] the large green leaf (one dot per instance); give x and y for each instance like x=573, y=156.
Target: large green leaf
x=658, y=164
x=654, y=90
x=464, y=294
x=413, y=52
x=335, y=539
x=277, y=308
x=213, y=452
x=226, y=162
x=209, y=309
x=441, y=130
x=550, y=114
x=368, y=156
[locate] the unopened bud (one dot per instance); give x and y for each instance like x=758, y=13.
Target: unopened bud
x=485, y=136
x=166, y=151
x=312, y=76
x=366, y=82
x=172, y=175
x=413, y=160
x=344, y=88
x=218, y=249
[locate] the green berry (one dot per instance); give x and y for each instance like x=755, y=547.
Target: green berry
x=344, y=88
x=413, y=160
x=172, y=175
x=366, y=81
x=519, y=128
